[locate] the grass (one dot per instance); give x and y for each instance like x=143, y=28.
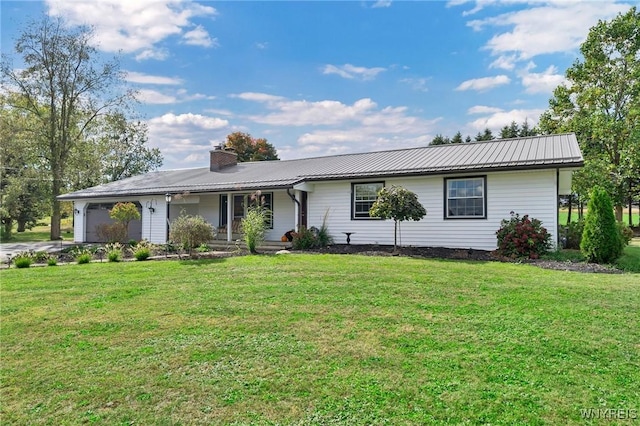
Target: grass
x=39, y=233
x=564, y=215
x=629, y=261
x=316, y=339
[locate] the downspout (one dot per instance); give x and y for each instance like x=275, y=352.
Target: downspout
x=558, y=246
x=295, y=200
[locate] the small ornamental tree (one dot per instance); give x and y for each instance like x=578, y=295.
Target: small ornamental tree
x=124, y=213
x=601, y=239
x=397, y=203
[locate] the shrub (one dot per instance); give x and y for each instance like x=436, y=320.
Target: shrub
x=571, y=234
x=190, y=231
x=626, y=233
x=40, y=256
x=601, y=238
x=142, y=253
x=202, y=248
x=521, y=237
x=23, y=260
x=304, y=239
x=81, y=254
x=114, y=252
x=254, y=226
x=114, y=232
x=52, y=261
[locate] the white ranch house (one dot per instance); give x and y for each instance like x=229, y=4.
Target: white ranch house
x=467, y=190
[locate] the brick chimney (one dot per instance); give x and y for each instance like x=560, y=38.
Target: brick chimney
x=221, y=158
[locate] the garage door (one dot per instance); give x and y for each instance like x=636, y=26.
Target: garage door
x=98, y=214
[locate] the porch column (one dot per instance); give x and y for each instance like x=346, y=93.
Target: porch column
x=229, y=216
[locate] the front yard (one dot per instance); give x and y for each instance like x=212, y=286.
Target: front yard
x=317, y=339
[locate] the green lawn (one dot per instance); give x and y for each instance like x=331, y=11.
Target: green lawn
x=564, y=215
x=39, y=233
x=316, y=339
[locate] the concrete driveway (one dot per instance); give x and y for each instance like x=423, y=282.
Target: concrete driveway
x=15, y=248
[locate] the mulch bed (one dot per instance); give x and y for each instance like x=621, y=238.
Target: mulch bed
x=464, y=254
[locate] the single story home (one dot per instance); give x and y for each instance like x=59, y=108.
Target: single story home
x=467, y=189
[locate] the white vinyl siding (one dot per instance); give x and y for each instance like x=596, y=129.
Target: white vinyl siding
x=524, y=192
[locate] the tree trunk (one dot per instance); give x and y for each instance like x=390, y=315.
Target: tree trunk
x=570, y=202
x=55, y=207
x=619, y=213
x=8, y=227
x=22, y=225
x=395, y=236
x=630, y=201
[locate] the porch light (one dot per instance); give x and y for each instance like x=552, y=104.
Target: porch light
x=167, y=197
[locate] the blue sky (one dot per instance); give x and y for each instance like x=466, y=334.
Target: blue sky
x=322, y=78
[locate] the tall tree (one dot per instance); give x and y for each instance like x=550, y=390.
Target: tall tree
x=122, y=145
x=65, y=88
x=600, y=102
x=23, y=189
x=440, y=140
x=457, y=138
x=487, y=135
x=510, y=131
x=249, y=148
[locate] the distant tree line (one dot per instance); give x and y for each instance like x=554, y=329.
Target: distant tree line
x=511, y=131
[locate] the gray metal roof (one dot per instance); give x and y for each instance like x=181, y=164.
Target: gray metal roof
x=549, y=151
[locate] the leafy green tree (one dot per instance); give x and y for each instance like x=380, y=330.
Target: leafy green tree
x=124, y=213
x=123, y=150
x=601, y=239
x=249, y=148
x=64, y=88
x=397, y=203
x=600, y=102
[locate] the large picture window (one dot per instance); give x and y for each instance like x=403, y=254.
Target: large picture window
x=363, y=195
x=465, y=198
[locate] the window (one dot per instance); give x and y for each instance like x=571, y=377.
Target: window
x=239, y=202
x=363, y=196
x=465, y=198
x=266, y=200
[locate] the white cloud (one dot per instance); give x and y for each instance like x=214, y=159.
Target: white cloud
x=157, y=54
x=149, y=96
x=133, y=26
x=190, y=120
x=418, y=84
x=185, y=139
x=505, y=62
x=482, y=109
x=256, y=97
x=200, y=37
x=262, y=45
x=554, y=26
x=352, y=72
x=499, y=119
x=338, y=127
x=543, y=82
x=138, y=77
x=382, y=3
x=483, y=84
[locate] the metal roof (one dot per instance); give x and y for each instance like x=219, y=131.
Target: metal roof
x=549, y=151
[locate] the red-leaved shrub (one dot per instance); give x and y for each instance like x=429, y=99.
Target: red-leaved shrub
x=521, y=237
